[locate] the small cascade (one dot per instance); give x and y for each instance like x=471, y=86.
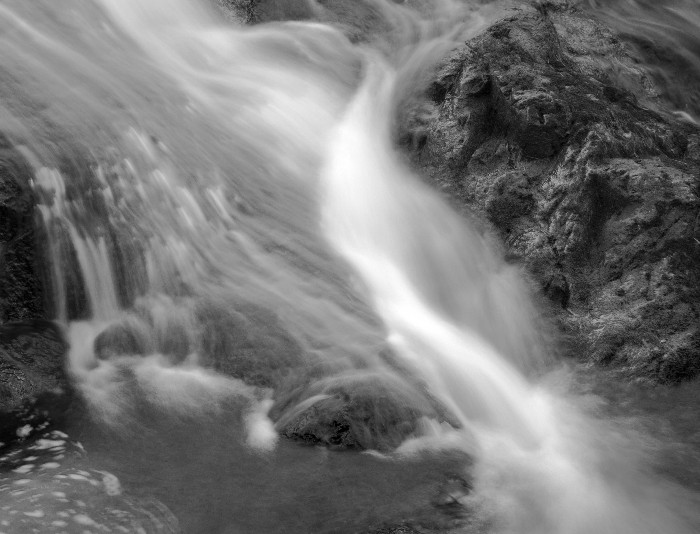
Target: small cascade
x=92, y=252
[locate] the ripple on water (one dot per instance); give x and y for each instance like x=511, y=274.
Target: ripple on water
x=60, y=491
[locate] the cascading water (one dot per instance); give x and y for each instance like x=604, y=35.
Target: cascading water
x=665, y=35
x=194, y=261
x=541, y=465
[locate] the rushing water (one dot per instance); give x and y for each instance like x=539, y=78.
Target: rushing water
x=665, y=35
x=236, y=249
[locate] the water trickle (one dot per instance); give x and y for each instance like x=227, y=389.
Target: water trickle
x=93, y=255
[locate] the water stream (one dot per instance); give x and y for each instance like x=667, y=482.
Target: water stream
x=236, y=249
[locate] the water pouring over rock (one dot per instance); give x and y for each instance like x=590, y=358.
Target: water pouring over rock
x=274, y=324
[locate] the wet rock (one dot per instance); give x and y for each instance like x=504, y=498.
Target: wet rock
x=20, y=287
x=316, y=399
x=32, y=350
x=510, y=197
x=594, y=189
x=31, y=363
x=159, y=325
x=360, y=410
x=130, y=337
x=247, y=341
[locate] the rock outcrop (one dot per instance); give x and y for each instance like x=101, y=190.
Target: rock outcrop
x=560, y=127
x=31, y=365
x=31, y=349
x=20, y=288
x=591, y=185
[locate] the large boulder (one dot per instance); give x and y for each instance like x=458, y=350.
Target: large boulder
x=593, y=186
x=32, y=349
x=317, y=399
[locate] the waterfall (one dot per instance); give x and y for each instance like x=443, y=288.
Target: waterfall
x=245, y=238
x=542, y=463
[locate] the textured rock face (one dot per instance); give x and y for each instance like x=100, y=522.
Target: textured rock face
x=31, y=350
x=530, y=126
x=20, y=290
x=31, y=365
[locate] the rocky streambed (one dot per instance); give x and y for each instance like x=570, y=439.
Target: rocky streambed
x=557, y=130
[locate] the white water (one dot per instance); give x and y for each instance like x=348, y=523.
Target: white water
x=296, y=122
x=543, y=465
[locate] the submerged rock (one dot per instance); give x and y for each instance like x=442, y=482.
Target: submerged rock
x=560, y=126
x=129, y=337
x=248, y=342
x=360, y=20
x=316, y=399
x=591, y=185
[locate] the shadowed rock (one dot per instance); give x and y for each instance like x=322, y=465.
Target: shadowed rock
x=20, y=288
x=360, y=410
x=594, y=187
x=247, y=341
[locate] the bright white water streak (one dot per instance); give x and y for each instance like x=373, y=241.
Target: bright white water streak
x=255, y=117
x=543, y=465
